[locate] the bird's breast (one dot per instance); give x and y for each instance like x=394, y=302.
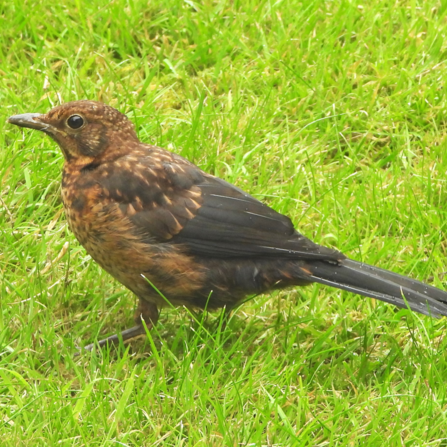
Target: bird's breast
x=110, y=238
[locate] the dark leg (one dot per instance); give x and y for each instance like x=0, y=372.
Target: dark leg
x=145, y=311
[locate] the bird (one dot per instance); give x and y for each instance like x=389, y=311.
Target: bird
x=176, y=235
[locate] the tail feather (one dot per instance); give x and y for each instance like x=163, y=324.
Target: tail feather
x=381, y=284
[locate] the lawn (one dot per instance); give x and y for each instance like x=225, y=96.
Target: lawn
x=333, y=113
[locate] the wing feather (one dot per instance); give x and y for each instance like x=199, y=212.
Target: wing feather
x=172, y=200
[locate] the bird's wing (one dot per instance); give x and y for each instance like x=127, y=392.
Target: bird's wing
x=170, y=199
x=231, y=223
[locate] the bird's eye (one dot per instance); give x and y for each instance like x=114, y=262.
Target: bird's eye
x=75, y=121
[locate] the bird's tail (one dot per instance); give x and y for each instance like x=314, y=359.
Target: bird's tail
x=381, y=284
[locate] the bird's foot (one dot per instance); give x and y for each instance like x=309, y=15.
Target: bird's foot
x=146, y=312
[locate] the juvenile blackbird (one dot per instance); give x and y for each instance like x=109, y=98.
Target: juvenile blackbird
x=169, y=231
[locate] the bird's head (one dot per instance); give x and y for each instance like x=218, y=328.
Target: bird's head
x=84, y=130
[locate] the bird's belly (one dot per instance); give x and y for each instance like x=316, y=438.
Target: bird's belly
x=142, y=267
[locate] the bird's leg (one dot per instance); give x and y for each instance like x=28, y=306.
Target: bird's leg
x=146, y=312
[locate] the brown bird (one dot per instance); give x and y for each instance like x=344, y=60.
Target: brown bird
x=170, y=232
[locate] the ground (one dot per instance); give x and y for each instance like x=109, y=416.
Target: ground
x=331, y=112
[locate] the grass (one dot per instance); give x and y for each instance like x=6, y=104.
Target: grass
x=331, y=112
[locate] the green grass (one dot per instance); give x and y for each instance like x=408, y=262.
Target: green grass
x=331, y=112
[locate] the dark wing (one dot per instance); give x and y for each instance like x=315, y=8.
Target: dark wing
x=168, y=198
x=231, y=223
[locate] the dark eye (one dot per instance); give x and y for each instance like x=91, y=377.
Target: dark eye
x=75, y=121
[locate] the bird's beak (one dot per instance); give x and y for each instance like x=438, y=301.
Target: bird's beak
x=30, y=120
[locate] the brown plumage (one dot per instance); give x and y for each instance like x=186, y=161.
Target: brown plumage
x=153, y=220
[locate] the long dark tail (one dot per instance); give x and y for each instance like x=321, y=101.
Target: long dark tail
x=381, y=284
